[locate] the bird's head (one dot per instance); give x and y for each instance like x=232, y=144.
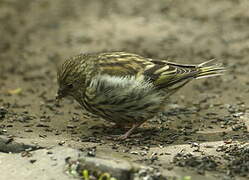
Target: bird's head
x=70, y=77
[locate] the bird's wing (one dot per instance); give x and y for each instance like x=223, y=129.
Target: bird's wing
x=162, y=74
x=121, y=64
x=166, y=74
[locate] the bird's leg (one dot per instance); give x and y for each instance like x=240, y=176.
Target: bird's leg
x=128, y=133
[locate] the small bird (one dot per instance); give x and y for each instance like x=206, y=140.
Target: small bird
x=126, y=88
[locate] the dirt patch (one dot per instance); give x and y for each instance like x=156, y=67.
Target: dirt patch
x=233, y=161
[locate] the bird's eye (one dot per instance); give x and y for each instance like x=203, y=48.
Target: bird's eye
x=70, y=86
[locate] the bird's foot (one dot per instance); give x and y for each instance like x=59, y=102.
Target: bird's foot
x=123, y=137
x=129, y=132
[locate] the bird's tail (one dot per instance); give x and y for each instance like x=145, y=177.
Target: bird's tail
x=208, y=69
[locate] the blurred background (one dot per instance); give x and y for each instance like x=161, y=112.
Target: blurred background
x=36, y=35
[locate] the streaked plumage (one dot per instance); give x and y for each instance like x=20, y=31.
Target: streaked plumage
x=126, y=88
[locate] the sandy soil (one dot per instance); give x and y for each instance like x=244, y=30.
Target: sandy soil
x=36, y=36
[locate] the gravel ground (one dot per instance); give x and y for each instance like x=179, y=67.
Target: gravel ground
x=204, y=129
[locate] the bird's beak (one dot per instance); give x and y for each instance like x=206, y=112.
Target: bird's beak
x=59, y=96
